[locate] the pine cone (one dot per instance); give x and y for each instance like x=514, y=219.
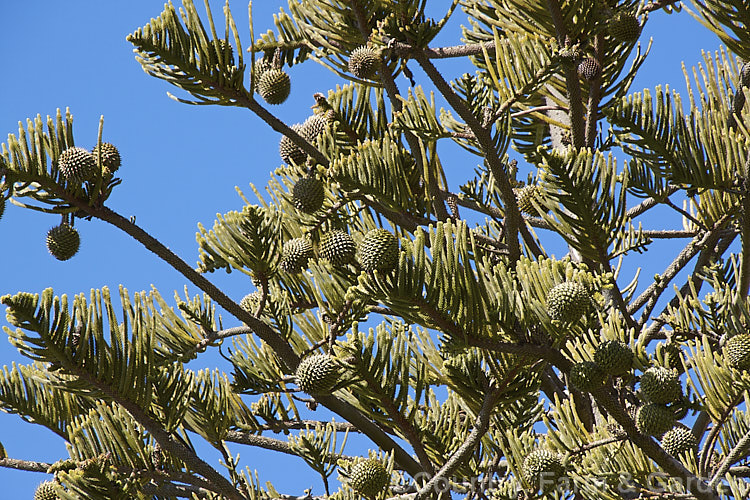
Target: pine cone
x=295, y=254
x=363, y=62
x=661, y=385
x=110, y=157
x=653, y=419
x=614, y=357
x=589, y=69
x=317, y=374
x=737, y=349
x=63, y=241
x=542, y=469
x=274, y=86
x=338, y=247
x=678, y=440
x=587, y=376
x=46, y=491
x=308, y=195
x=568, y=302
x=624, y=27
x=369, y=477
x=291, y=153
x=77, y=165
x=378, y=251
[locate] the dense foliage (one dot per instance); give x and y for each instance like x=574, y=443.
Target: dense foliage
x=430, y=319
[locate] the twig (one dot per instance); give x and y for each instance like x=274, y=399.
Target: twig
x=27, y=465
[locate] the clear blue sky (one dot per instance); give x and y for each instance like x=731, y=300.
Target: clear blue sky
x=180, y=165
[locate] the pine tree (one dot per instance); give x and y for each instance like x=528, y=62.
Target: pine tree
x=426, y=331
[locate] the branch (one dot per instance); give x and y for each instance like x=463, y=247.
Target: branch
x=513, y=220
x=27, y=465
x=733, y=456
x=607, y=400
x=481, y=426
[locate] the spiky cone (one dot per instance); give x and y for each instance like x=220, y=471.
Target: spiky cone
x=587, y=376
x=678, y=440
x=614, y=357
x=274, y=86
x=737, y=350
x=369, y=477
x=295, y=254
x=589, y=69
x=363, y=62
x=378, y=251
x=77, y=165
x=63, y=241
x=251, y=301
x=317, y=374
x=654, y=419
x=542, y=469
x=291, y=153
x=308, y=194
x=259, y=68
x=525, y=195
x=225, y=52
x=315, y=125
x=568, y=302
x=110, y=157
x=338, y=247
x=661, y=385
x=624, y=27
x=46, y=491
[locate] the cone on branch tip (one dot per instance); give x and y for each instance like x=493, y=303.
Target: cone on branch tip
x=77, y=165
x=251, y=301
x=369, y=477
x=63, y=241
x=678, y=440
x=308, y=194
x=291, y=153
x=542, y=468
x=568, y=302
x=363, y=62
x=661, y=385
x=589, y=69
x=46, y=491
x=524, y=197
x=295, y=254
x=110, y=157
x=317, y=374
x=654, y=419
x=614, y=357
x=624, y=27
x=378, y=251
x=338, y=247
x=737, y=350
x=274, y=86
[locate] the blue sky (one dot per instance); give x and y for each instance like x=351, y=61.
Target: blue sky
x=180, y=165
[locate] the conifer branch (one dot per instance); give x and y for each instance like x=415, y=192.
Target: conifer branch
x=699, y=488
x=27, y=465
x=513, y=218
x=704, y=457
x=481, y=425
x=592, y=107
x=649, y=203
x=575, y=101
x=651, y=295
x=735, y=454
x=744, y=281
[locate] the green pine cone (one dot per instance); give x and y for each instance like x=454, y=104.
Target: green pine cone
x=295, y=254
x=624, y=27
x=111, y=159
x=77, y=165
x=274, y=86
x=317, y=374
x=259, y=68
x=654, y=419
x=225, y=52
x=587, y=376
x=524, y=196
x=63, y=241
x=363, y=62
x=568, y=302
x=678, y=440
x=291, y=153
x=45, y=491
x=589, y=69
x=378, y=251
x=314, y=126
x=614, y=357
x=661, y=385
x=737, y=349
x=251, y=301
x=308, y=195
x=338, y=247
x=369, y=477
x=542, y=469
